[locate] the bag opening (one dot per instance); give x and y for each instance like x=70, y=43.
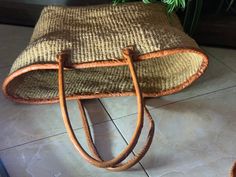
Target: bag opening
x=157, y=76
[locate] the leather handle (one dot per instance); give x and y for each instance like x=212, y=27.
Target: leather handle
x=233, y=170
x=132, y=161
x=128, y=54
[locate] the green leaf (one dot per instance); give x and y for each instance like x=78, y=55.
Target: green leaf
x=173, y=5
x=146, y=1
x=149, y=1
x=182, y=3
x=119, y=1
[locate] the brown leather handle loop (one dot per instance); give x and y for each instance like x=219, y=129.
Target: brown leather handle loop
x=233, y=170
x=110, y=163
x=129, y=163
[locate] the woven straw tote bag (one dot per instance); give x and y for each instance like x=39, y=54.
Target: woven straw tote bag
x=103, y=51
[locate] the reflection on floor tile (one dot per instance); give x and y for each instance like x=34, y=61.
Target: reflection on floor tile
x=216, y=77
x=14, y=40
x=56, y=156
x=226, y=56
x=195, y=137
x=21, y=123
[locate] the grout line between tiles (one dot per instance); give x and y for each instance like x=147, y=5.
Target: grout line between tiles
x=179, y=101
x=200, y=95
x=122, y=135
x=54, y=135
x=58, y=134
x=218, y=60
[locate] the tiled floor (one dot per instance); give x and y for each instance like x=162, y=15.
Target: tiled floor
x=195, y=129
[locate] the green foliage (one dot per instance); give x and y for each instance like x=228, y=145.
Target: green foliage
x=172, y=5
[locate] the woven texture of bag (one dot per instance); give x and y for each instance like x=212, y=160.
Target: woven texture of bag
x=167, y=59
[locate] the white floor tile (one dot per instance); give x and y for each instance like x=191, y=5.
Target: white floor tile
x=195, y=137
x=216, y=77
x=56, y=156
x=21, y=123
x=13, y=40
x=226, y=56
